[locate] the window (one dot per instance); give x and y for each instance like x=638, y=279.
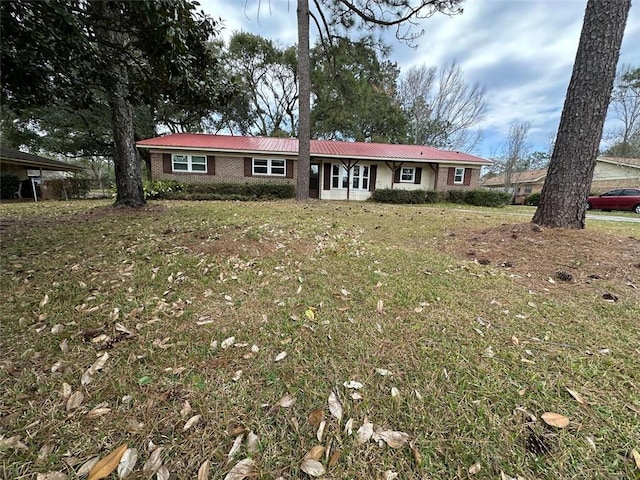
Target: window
x=359, y=177
x=267, y=166
x=407, y=175
x=458, y=176
x=189, y=163
x=528, y=189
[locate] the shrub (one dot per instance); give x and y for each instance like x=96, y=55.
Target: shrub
x=486, y=198
x=235, y=191
x=388, y=195
x=482, y=198
x=9, y=184
x=533, y=199
x=160, y=189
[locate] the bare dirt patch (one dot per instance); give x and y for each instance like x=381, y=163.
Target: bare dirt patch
x=548, y=258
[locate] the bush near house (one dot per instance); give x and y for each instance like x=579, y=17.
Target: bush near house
x=9, y=184
x=481, y=198
x=172, y=190
x=533, y=199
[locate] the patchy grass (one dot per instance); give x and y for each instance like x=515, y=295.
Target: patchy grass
x=465, y=309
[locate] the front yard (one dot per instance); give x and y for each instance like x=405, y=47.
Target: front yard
x=344, y=340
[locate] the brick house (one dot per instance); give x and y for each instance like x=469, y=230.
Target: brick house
x=339, y=170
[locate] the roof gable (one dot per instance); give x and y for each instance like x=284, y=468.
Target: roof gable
x=28, y=160
x=319, y=148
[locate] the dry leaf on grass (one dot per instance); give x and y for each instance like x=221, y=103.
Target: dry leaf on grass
x=555, y=419
x=333, y=460
x=315, y=453
x=203, y=471
x=51, y=476
x=348, y=427
x=287, y=401
x=315, y=417
x=127, y=463
x=243, y=469
x=87, y=466
x=320, y=431
x=75, y=400
x=13, y=442
x=475, y=468
x=636, y=457
x=392, y=438
x=237, y=443
x=365, y=432
x=45, y=451
x=335, y=407
x=98, y=411
x=389, y=475
x=281, y=356
x=191, y=422
x=228, y=342
x=252, y=442
x=417, y=456
x=577, y=397
x=153, y=463
x=163, y=473
x=108, y=464
x=313, y=468
x=44, y=301
x=380, y=306
x=353, y=384
x=383, y=372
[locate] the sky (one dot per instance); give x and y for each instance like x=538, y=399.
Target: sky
x=521, y=50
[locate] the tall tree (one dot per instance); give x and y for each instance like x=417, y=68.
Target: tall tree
x=354, y=94
x=441, y=107
x=120, y=54
x=562, y=200
x=304, y=89
x=515, y=153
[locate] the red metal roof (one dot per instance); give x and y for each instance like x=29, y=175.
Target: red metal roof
x=319, y=148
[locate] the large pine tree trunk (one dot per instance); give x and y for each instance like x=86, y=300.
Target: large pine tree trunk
x=563, y=197
x=129, y=190
x=304, y=88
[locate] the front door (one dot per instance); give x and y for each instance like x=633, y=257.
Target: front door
x=314, y=181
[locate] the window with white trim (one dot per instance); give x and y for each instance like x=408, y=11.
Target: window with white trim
x=407, y=175
x=458, y=175
x=359, y=177
x=189, y=163
x=269, y=166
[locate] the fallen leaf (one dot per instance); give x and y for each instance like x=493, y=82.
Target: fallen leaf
x=417, y=456
x=335, y=407
x=315, y=417
x=186, y=409
x=365, y=432
x=228, y=342
x=353, y=384
x=236, y=377
x=310, y=314
x=243, y=469
x=87, y=466
x=153, y=463
x=383, y=372
x=191, y=422
x=395, y=393
x=515, y=341
x=636, y=457
x=127, y=462
x=57, y=328
x=315, y=453
x=237, y=443
x=203, y=471
x=313, y=468
x=280, y=356
x=45, y=451
x=475, y=468
x=578, y=398
x=252, y=442
x=392, y=438
x=555, y=419
x=287, y=401
x=163, y=473
x=108, y=464
x=320, y=431
x=98, y=412
x=348, y=427
x=51, y=476
x=380, y=306
x=44, y=301
x=134, y=426
x=390, y=475
x=75, y=400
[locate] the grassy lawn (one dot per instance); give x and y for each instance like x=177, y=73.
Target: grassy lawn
x=164, y=329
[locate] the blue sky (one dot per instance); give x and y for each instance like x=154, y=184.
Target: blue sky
x=522, y=50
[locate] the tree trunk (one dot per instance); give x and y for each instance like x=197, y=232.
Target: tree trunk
x=304, y=88
x=563, y=197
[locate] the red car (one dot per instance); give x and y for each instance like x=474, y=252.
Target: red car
x=619, y=199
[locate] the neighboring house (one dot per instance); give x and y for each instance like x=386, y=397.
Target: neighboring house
x=27, y=166
x=339, y=170
x=609, y=173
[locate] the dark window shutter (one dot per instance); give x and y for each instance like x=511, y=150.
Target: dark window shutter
x=289, y=168
x=211, y=165
x=396, y=175
x=326, y=184
x=248, y=171
x=373, y=173
x=467, y=177
x=418, y=176
x=166, y=163
x=450, y=176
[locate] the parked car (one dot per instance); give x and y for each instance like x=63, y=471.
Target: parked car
x=619, y=199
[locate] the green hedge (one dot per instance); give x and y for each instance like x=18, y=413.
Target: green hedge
x=169, y=189
x=9, y=184
x=481, y=198
x=533, y=199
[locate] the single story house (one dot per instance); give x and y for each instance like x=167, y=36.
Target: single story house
x=27, y=166
x=339, y=170
x=609, y=173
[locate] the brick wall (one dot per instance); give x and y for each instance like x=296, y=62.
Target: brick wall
x=443, y=176
x=228, y=169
